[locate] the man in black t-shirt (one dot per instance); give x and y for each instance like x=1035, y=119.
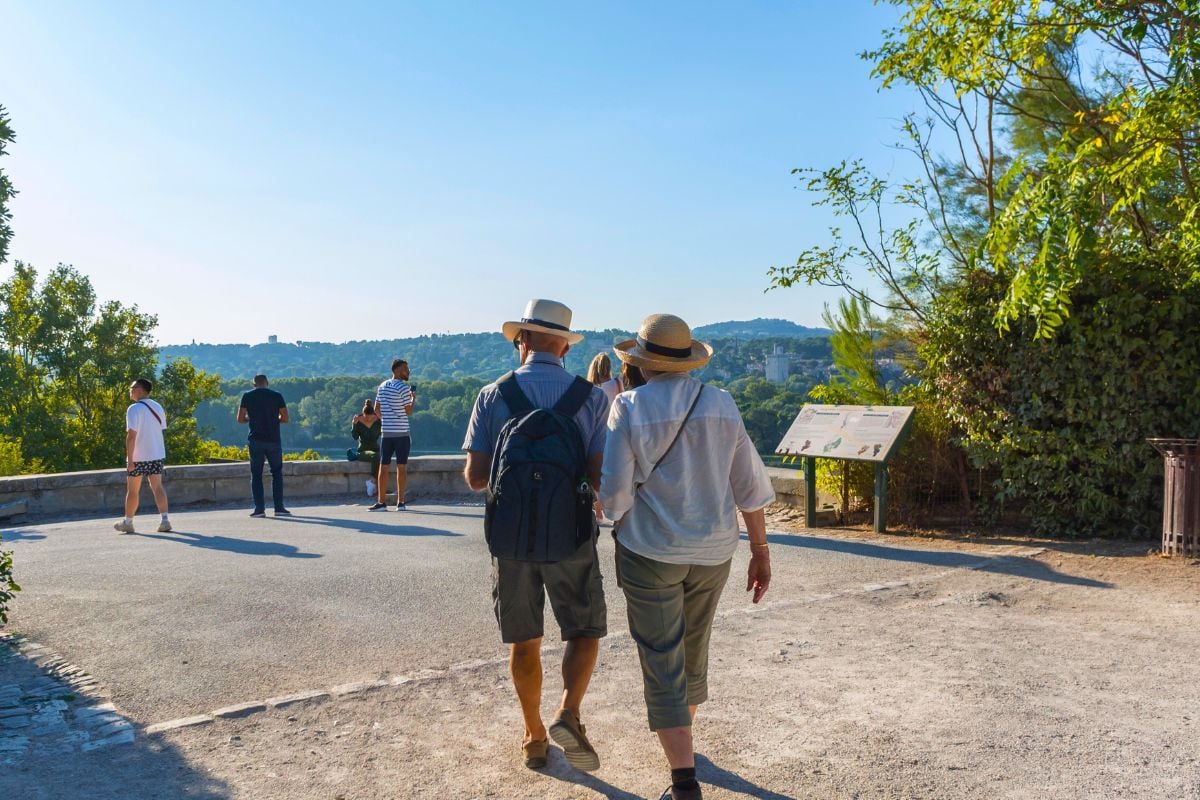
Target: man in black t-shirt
x=264, y=409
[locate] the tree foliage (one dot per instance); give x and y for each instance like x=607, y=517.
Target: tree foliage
x=1043, y=273
x=7, y=191
x=66, y=362
x=1109, y=173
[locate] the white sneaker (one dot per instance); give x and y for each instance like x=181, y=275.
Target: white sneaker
x=164, y=526
x=121, y=526
x=370, y=488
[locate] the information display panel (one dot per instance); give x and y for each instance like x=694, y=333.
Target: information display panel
x=857, y=433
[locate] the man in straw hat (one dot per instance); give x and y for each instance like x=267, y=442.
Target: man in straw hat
x=542, y=337
x=677, y=466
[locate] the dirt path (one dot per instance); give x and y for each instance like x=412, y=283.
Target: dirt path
x=1072, y=675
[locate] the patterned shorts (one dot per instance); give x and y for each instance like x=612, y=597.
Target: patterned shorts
x=147, y=468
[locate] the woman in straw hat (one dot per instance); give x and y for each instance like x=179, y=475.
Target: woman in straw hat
x=678, y=465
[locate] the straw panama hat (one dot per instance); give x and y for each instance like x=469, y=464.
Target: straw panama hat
x=544, y=316
x=664, y=343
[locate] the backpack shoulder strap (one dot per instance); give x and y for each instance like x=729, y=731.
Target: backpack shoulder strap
x=577, y=394
x=152, y=411
x=516, y=400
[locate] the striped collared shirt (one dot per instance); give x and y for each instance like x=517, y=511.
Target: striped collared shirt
x=391, y=397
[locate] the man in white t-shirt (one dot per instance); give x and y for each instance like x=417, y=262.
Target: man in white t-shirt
x=145, y=454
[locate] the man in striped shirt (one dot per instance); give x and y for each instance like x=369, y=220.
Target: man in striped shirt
x=394, y=398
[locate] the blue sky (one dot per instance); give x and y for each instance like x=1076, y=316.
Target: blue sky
x=380, y=171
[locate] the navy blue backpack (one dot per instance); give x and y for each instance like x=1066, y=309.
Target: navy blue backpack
x=539, y=503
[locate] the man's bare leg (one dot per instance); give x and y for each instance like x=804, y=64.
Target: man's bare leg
x=525, y=666
x=133, y=491
x=579, y=661
x=160, y=494
x=401, y=482
x=381, y=484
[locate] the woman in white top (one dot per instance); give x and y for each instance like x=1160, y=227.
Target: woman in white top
x=600, y=374
x=678, y=466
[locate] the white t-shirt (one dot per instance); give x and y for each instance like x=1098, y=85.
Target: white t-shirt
x=148, y=446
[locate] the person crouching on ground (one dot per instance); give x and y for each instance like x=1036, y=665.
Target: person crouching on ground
x=572, y=579
x=145, y=454
x=677, y=467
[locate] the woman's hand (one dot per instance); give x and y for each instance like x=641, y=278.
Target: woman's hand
x=758, y=574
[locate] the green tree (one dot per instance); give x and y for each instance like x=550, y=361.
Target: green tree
x=1101, y=162
x=68, y=363
x=12, y=460
x=7, y=137
x=1056, y=155
x=181, y=388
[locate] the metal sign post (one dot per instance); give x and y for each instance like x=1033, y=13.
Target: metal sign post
x=847, y=433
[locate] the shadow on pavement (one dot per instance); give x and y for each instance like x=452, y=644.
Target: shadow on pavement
x=149, y=767
x=1019, y=566
x=18, y=535
x=559, y=769
x=54, y=749
x=370, y=526
x=247, y=547
x=710, y=773
x=478, y=516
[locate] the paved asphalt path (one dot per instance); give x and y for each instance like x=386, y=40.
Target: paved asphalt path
x=227, y=609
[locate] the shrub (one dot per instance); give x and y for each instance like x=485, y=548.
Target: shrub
x=307, y=455
x=8, y=586
x=1063, y=421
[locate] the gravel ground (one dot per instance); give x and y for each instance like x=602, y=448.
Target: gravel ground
x=1068, y=674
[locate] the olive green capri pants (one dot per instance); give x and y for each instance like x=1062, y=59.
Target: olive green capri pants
x=671, y=609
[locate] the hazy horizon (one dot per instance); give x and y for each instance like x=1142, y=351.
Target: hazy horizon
x=496, y=332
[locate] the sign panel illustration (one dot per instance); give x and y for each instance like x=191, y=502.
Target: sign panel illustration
x=858, y=433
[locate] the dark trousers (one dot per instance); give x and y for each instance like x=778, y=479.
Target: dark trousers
x=272, y=453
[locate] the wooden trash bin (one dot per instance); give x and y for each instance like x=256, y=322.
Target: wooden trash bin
x=1181, y=495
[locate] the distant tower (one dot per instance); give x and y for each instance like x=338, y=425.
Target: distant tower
x=777, y=366
x=272, y=339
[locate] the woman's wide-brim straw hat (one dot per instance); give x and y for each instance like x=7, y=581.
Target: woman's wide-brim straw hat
x=544, y=316
x=664, y=343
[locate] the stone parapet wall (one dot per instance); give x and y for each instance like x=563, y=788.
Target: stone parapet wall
x=103, y=491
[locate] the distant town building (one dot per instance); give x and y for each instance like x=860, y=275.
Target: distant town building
x=272, y=339
x=778, y=365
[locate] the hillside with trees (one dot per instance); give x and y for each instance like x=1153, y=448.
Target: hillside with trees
x=761, y=328
x=321, y=409
x=468, y=355
x=448, y=371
